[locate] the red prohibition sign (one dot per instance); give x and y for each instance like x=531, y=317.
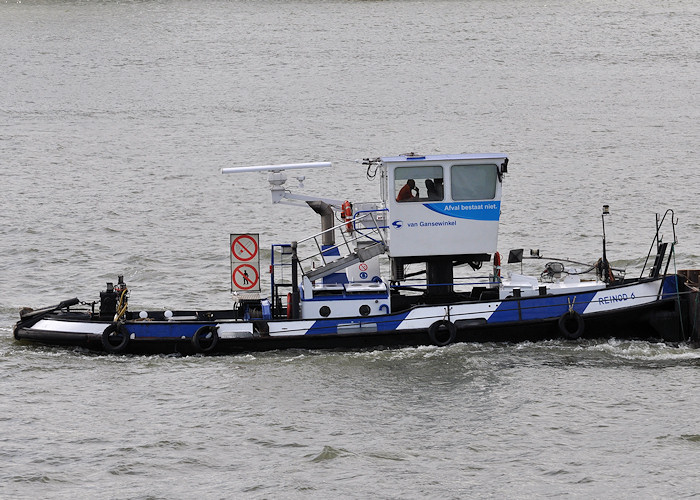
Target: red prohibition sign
x=240, y=247
x=363, y=266
x=243, y=278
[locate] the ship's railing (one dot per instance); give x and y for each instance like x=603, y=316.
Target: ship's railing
x=661, y=246
x=373, y=220
x=367, y=235
x=368, y=227
x=280, y=277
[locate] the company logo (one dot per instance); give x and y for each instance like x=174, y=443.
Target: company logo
x=397, y=224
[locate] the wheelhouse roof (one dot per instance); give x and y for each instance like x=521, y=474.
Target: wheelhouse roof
x=411, y=158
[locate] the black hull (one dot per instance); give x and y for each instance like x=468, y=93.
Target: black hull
x=658, y=321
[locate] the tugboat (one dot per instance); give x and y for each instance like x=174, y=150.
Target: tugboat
x=392, y=273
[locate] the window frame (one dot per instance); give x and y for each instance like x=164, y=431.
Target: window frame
x=486, y=191
x=419, y=174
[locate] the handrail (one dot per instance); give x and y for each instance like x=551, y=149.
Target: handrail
x=375, y=227
x=373, y=234
x=657, y=239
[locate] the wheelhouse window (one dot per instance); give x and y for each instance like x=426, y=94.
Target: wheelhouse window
x=424, y=183
x=473, y=182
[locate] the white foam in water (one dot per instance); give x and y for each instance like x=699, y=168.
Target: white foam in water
x=646, y=350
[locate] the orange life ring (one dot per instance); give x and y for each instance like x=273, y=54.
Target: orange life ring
x=497, y=264
x=346, y=214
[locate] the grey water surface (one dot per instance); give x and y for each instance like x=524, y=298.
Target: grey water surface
x=115, y=120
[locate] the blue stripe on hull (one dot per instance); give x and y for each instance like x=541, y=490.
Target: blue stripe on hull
x=330, y=326
x=533, y=308
x=163, y=330
x=670, y=287
x=508, y=311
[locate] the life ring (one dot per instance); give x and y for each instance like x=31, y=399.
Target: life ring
x=205, y=338
x=115, y=332
x=289, y=305
x=346, y=214
x=442, y=333
x=571, y=325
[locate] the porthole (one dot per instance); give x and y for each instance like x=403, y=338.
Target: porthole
x=365, y=310
x=325, y=311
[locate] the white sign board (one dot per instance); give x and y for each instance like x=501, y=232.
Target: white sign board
x=245, y=263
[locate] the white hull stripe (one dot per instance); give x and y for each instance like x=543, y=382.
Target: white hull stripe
x=525, y=309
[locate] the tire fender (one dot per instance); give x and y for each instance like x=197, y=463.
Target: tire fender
x=205, y=338
x=571, y=325
x=115, y=338
x=442, y=333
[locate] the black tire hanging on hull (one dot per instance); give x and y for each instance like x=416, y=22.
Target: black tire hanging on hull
x=115, y=338
x=571, y=325
x=442, y=333
x=205, y=339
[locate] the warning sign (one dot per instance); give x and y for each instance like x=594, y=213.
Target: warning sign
x=245, y=277
x=244, y=247
x=245, y=262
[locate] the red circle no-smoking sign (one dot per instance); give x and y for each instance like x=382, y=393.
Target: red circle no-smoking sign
x=244, y=248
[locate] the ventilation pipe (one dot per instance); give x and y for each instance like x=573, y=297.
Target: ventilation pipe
x=327, y=220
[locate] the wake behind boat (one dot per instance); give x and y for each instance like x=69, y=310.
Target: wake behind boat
x=406, y=269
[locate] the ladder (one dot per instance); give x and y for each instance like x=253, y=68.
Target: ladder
x=364, y=242
x=361, y=254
